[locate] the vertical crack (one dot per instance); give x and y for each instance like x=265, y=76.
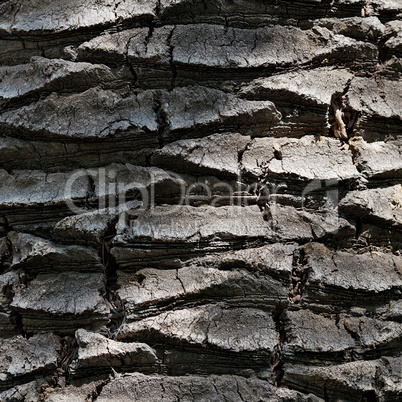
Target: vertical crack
x=341, y=116
x=171, y=60
x=15, y=314
x=326, y=398
x=157, y=11
x=127, y=60
x=298, y=280
x=155, y=21
x=339, y=126
x=181, y=282
x=161, y=118
x=68, y=352
x=299, y=277
x=94, y=396
x=241, y=152
x=91, y=196
x=277, y=359
x=19, y=324
x=383, y=53
x=117, y=308
x=6, y=255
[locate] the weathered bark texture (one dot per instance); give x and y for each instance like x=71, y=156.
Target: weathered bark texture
x=257, y=149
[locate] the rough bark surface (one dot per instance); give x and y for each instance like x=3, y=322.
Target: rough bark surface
x=201, y=200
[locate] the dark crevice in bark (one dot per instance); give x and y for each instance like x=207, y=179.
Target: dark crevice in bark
x=355, y=155
x=353, y=334
x=342, y=118
x=91, y=197
x=130, y=66
x=117, y=308
x=359, y=228
x=24, y=281
x=369, y=396
x=6, y=224
x=383, y=52
x=157, y=13
x=98, y=389
x=68, y=352
x=6, y=258
x=152, y=24
x=299, y=276
x=326, y=398
x=277, y=358
x=240, y=154
x=19, y=324
x=162, y=120
x=171, y=58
